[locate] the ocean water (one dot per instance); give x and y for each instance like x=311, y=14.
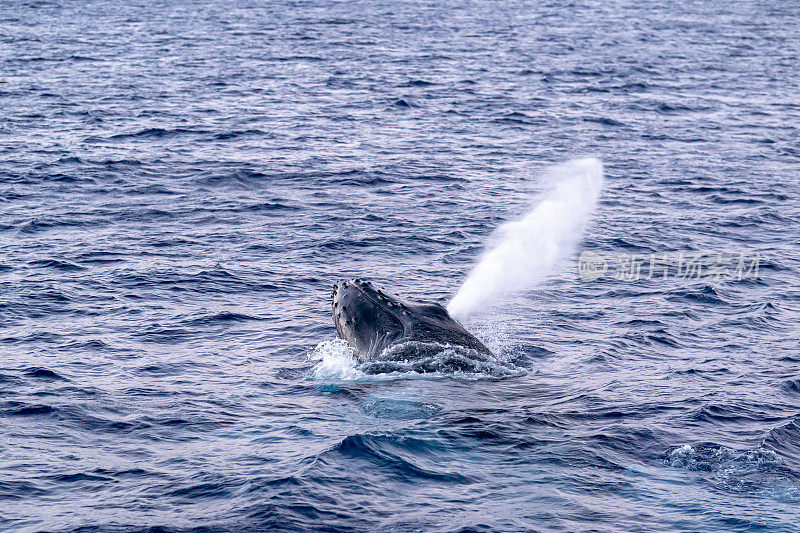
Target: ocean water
x=182, y=182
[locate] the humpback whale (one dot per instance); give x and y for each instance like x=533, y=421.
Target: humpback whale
x=371, y=320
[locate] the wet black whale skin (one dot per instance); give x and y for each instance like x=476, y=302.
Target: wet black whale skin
x=371, y=320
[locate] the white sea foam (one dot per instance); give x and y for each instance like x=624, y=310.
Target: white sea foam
x=335, y=361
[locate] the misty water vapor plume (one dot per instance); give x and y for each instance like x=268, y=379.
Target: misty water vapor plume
x=522, y=253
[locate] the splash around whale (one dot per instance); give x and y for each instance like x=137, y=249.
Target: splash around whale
x=381, y=327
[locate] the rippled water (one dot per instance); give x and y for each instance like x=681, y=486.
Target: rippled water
x=181, y=182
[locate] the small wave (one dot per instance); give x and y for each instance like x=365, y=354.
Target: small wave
x=165, y=335
x=37, y=225
x=515, y=118
x=705, y=294
x=341, y=243
x=111, y=163
x=223, y=317
x=401, y=457
x=201, y=491
x=721, y=199
x=605, y=121
x=363, y=179
x=233, y=134
x=337, y=361
x=161, y=370
x=19, y=490
x=792, y=385
x=64, y=266
x=8, y=379
x=78, y=477
x=157, y=133
x=238, y=179
x=731, y=412
x=42, y=373
x=785, y=440
x=15, y=408
x=271, y=206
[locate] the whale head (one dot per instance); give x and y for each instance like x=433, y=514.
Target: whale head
x=371, y=320
x=366, y=317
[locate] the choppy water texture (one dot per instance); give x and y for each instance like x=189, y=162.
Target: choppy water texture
x=181, y=182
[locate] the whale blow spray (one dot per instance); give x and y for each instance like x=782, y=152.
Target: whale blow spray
x=523, y=253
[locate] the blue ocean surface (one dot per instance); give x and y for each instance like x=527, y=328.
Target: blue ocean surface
x=182, y=182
